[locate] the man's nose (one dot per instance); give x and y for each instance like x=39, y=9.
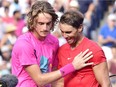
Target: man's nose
x=45, y=27
x=65, y=35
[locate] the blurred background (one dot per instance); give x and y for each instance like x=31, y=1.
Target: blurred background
x=99, y=25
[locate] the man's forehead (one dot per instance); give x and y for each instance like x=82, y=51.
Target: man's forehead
x=44, y=22
x=44, y=17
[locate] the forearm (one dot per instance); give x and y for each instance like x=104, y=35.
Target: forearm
x=47, y=78
x=105, y=81
x=58, y=83
x=53, y=76
x=42, y=79
x=104, y=41
x=106, y=84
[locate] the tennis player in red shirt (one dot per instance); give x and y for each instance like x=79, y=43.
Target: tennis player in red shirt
x=96, y=75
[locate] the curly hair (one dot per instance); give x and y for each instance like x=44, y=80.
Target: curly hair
x=40, y=7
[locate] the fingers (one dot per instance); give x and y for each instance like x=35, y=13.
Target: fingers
x=79, y=55
x=88, y=58
x=88, y=55
x=88, y=64
x=83, y=53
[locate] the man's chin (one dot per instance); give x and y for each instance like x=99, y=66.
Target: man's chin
x=44, y=35
x=69, y=43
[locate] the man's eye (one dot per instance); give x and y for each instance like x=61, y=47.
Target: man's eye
x=40, y=23
x=48, y=23
x=68, y=32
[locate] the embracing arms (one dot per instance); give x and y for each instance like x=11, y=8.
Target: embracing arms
x=42, y=79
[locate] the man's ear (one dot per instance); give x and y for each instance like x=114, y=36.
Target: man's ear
x=80, y=29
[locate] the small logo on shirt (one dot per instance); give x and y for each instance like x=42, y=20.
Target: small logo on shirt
x=68, y=58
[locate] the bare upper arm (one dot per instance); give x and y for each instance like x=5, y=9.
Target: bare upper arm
x=102, y=74
x=58, y=83
x=34, y=72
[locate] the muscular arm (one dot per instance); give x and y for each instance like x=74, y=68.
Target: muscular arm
x=58, y=83
x=43, y=79
x=102, y=75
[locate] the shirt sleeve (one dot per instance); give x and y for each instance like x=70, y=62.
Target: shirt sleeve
x=98, y=57
x=26, y=54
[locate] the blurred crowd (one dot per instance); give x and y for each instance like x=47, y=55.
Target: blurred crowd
x=13, y=24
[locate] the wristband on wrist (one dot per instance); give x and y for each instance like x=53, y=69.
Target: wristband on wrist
x=67, y=69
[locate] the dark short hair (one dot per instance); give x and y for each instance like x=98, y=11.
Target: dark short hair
x=113, y=46
x=73, y=18
x=3, y=83
x=8, y=80
x=40, y=7
x=16, y=11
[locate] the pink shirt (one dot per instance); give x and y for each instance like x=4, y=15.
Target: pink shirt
x=29, y=50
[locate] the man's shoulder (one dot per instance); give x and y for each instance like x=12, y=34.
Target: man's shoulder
x=93, y=45
x=23, y=39
x=64, y=47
